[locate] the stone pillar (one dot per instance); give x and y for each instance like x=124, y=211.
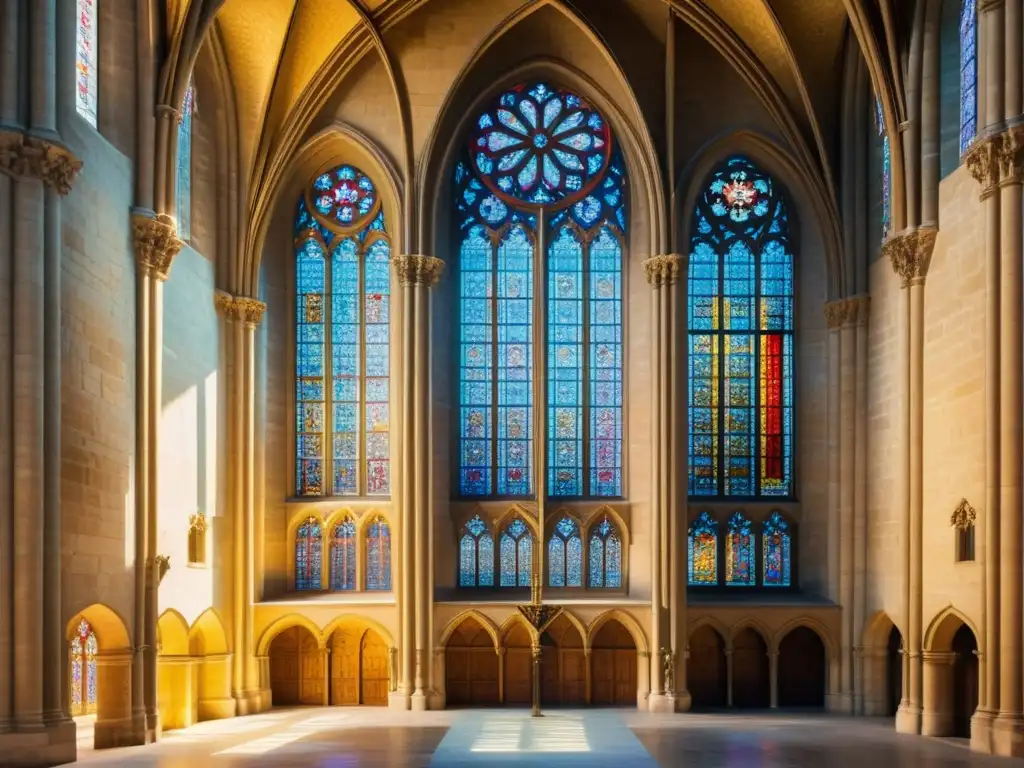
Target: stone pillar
x=859, y=308
x=116, y=724
x=416, y=274
x=728, y=677
x=773, y=678
x=910, y=254
x=668, y=476
x=937, y=713
x=243, y=314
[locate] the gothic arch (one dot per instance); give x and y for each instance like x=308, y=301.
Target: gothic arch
x=616, y=519
x=579, y=625
x=510, y=623
x=283, y=623
x=877, y=629
x=816, y=627
x=111, y=631
x=626, y=620
x=749, y=622
x=497, y=635
x=362, y=622
x=207, y=632
x=939, y=635
x=716, y=624
x=517, y=510
x=172, y=633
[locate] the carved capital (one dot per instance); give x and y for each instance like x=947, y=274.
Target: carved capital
x=36, y=158
x=963, y=516
x=415, y=269
x=663, y=270
x=540, y=616
x=910, y=254
x=160, y=565
x=156, y=243
x=239, y=309
x=1010, y=155
x=988, y=5
x=857, y=308
x=982, y=160
x=835, y=314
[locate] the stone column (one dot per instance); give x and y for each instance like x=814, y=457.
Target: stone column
x=728, y=677
x=773, y=678
x=937, y=714
x=835, y=315
x=668, y=496
x=416, y=274
x=859, y=307
x=847, y=431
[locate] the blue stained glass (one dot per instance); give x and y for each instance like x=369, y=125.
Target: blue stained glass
x=968, y=73
x=378, y=555
x=311, y=287
x=775, y=538
x=565, y=364
x=740, y=570
x=605, y=365
x=565, y=555
x=345, y=364
x=477, y=363
x=740, y=337
x=702, y=543
x=308, y=548
x=605, y=556
x=183, y=179
x=476, y=555
x=516, y=551
x=343, y=556
x=377, y=319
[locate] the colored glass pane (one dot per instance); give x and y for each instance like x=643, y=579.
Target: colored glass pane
x=342, y=324
x=886, y=168
x=604, y=355
x=702, y=542
x=565, y=364
x=968, y=73
x=378, y=555
x=308, y=549
x=343, y=556
x=476, y=555
x=740, y=569
x=740, y=336
x=86, y=63
x=82, y=669
x=605, y=566
x=183, y=179
x=516, y=553
x=565, y=555
x=776, y=546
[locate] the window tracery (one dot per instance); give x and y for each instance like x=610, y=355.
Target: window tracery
x=968, y=73
x=343, y=555
x=740, y=567
x=308, y=548
x=86, y=61
x=605, y=566
x=702, y=540
x=378, y=554
x=516, y=554
x=749, y=562
x=476, y=555
x=565, y=554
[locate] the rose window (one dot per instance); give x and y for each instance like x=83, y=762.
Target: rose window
x=343, y=199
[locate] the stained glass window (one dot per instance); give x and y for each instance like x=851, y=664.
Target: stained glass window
x=776, y=545
x=378, y=554
x=343, y=419
x=702, y=542
x=741, y=337
x=565, y=555
x=516, y=552
x=86, y=60
x=539, y=147
x=183, y=180
x=476, y=555
x=740, y=555
x=605, y=555
x=82, y=669
x=308, y=552
x=968, y=73
x=886, y=168
x=343, y=555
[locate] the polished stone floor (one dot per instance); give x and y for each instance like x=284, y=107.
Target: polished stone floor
x=353, y=738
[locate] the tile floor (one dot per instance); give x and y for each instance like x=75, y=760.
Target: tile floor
x=354, y=738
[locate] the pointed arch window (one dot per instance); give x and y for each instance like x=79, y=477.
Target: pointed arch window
x=605, y=566
x=308, y=549
x=516, y=548
x=541, y=170
x=776, y=555
x=476, y=555
x=968, y=73
x=740, y=553
x=82, y=670
x=883, y=136
x=86, y=63
x=343, y=555
x=183, y=179
x=342, y=335
x=565, y=555
x=378, y=554
x=702, y=542
x=741, y=337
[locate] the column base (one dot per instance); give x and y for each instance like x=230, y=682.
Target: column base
x=661, y=703
x=418, y=702
x=399, y=700
x=436, y=700
x=936, y=723
x=126, y=732
x=154, y=727
x=981, y=731
x=908, y=719
x=838, y=703
x=1008, y=735
x=216, y=709
x=54, y=745
x=247, y=703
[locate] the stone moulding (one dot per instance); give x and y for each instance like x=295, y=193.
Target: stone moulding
x=239, y=309
x=416, y=269
x=910, y=254
x=156, y=243
x=663, y=270
x=33, y=157
x=963, y=516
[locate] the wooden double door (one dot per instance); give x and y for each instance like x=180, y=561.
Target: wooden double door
x=563, y=667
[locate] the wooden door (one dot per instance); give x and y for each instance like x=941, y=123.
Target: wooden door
x=565, y=675
x=471, y=667
x=613, y=667
x=284, y=667
x=518, y=667
x=550, y=677
x=311, y=662
x=374, y=670
x=965, y=681
x=345, y=667
x=801, y=669
x=750, y=676
x=706, y=672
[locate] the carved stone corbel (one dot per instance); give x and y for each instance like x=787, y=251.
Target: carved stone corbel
x=161, y=565
x=1010, y=155
x=835, y=314
x=663, y=270
x=156, y=243
x=910, y=254
x=37, y=158
x=416, y=269
x=963, y=516
x=982, y=160
x=239, y=309
x=857, y=308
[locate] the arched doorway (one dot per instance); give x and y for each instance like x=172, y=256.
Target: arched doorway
x=471, y=667
x=358, y=667
x=296, y=668
x=613, y=666
x=965, y=680
x=893, y=672
x=373, y=670
x=563, y=666
x=751, y=687
x=518, y=666
x=801, y=681
x=706, y=669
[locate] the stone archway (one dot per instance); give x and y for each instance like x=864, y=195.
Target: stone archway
x=471, y=666
x=751, y=684
x=950, y=680
x=296, y=668
x=613, y=666
x=563, y=666
x=802, y=669
x=518, y=666
x=881, y=667
x=707, y=675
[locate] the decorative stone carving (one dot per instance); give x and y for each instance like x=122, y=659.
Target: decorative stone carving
x=1010, y=155
x=982, y=160
x=835, y=313
x=910, y=253
x=415, y=269
x=239, y=309
x=668, y=671
x=986, y=5
x=857, y=308
x=963, y=516
x=224, y=303
x=156, y=243
x=37, y=158
x=663, y=270
x=161, y=565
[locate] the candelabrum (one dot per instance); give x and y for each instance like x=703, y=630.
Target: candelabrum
x=540, y=616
